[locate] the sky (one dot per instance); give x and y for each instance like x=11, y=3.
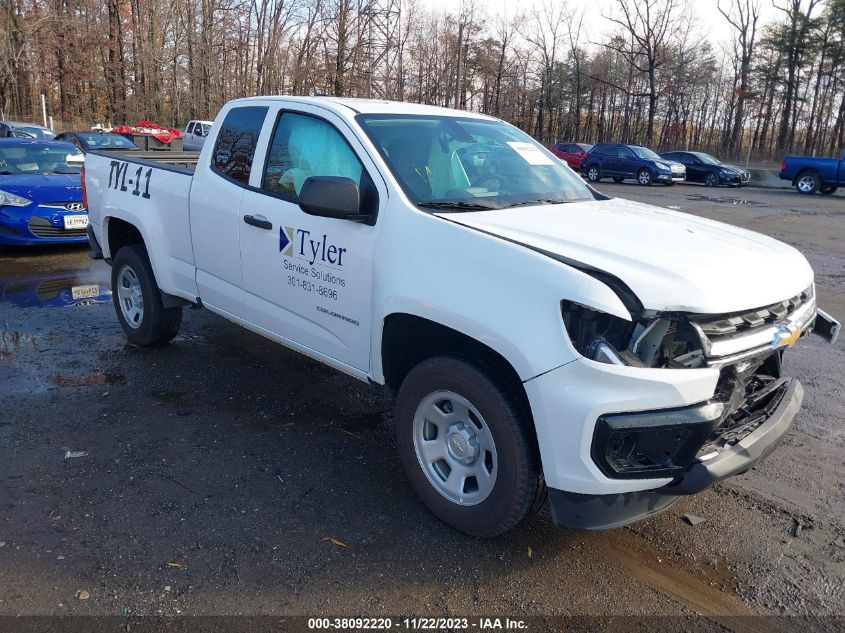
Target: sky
x=711, y=21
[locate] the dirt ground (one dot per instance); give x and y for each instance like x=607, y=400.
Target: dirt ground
x=208, y=474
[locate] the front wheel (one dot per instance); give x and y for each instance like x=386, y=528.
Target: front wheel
x=466, y=444
x=711, y=180
x=828, y=189
x=644, y=177
x=137, y=299
x=808, y=182
x=593, y=173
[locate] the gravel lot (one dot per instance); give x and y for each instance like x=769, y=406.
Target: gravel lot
x=215, y=468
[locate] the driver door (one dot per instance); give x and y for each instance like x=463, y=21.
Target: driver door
x=308, y=279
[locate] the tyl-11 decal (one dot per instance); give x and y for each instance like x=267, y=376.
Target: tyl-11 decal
x=118, y=180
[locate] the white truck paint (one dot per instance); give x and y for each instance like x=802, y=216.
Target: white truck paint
x=700, y=311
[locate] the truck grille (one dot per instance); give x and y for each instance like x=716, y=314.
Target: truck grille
x=41, y=227
x=726, y=338
x=748, y=321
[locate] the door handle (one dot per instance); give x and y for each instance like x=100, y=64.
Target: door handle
x=258, y=220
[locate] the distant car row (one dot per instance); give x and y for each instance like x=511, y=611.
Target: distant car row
x=41, y=197
x=621, y=162
x=617, y=161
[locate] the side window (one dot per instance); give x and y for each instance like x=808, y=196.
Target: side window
x=190, y=129
x=625, y=153
x=305, y=146
x=235, y=146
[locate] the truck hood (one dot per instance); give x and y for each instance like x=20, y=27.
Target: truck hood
x=40, y=188
x=672, y=261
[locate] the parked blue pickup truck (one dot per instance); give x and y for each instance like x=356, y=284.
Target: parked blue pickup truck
x=809, y=174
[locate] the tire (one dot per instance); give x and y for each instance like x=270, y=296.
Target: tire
x=618, y=179
x=828, y=189
x=146, y=322
x=477, y=414
x=644, y=177
x=711, y=180
x=807, y=182
x=593, y=173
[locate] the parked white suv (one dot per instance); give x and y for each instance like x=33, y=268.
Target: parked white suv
x=539, y=336
x=195, y=134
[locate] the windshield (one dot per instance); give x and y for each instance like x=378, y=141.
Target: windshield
x=707, y=159
x=33, y=131
x=645, y=153
x=469, y=164
x=52, y=158
x=106, y=141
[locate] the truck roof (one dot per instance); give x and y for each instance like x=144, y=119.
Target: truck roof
x=371, y=106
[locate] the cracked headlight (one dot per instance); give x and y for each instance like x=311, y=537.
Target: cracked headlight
x=647, y=341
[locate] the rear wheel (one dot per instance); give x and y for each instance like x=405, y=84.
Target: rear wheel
x=808, y=182
x=137, y=299
x=828, y=189
x=593, y=173
x=466, y=444
x=711, y=180
x=644, y=177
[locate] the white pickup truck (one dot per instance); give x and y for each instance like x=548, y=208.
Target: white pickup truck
x=540, y=339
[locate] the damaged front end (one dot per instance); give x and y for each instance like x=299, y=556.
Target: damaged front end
x=746, y=348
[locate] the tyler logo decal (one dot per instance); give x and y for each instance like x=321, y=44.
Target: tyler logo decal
x=286, y=234
x=298, y=243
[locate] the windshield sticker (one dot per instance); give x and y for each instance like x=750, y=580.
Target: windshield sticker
x=530, y=153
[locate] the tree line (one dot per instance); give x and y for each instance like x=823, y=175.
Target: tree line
x=649, y=76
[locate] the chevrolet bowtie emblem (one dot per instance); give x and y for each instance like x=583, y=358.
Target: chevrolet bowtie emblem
x=785, y=336
x=457, y=446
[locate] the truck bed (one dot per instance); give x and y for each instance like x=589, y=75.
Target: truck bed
x=183, y=162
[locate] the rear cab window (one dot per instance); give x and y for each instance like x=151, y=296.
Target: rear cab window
x=234, y=149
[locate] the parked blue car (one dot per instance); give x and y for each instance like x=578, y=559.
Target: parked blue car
x=40, y=193
x=620, y=162
x=809, y=174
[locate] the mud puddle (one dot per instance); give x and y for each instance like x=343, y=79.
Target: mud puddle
x=700, y=197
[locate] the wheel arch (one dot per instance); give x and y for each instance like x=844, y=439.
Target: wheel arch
x=408, y=339
x=805, y=171
x=120, y=233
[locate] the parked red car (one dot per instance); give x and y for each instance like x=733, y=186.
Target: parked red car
x=572, y=153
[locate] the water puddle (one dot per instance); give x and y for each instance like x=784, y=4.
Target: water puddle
x=700, y=197
x=56, y=289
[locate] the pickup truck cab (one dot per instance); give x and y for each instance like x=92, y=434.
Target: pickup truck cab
x=195, y=134
x=541, y=339
x=810, y=174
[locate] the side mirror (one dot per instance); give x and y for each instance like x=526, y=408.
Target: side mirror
x=332, y=197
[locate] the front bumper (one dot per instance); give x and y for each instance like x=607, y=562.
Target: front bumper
x=606, y=511
x=38, y=224
x=670, y=176
x=735, y=178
